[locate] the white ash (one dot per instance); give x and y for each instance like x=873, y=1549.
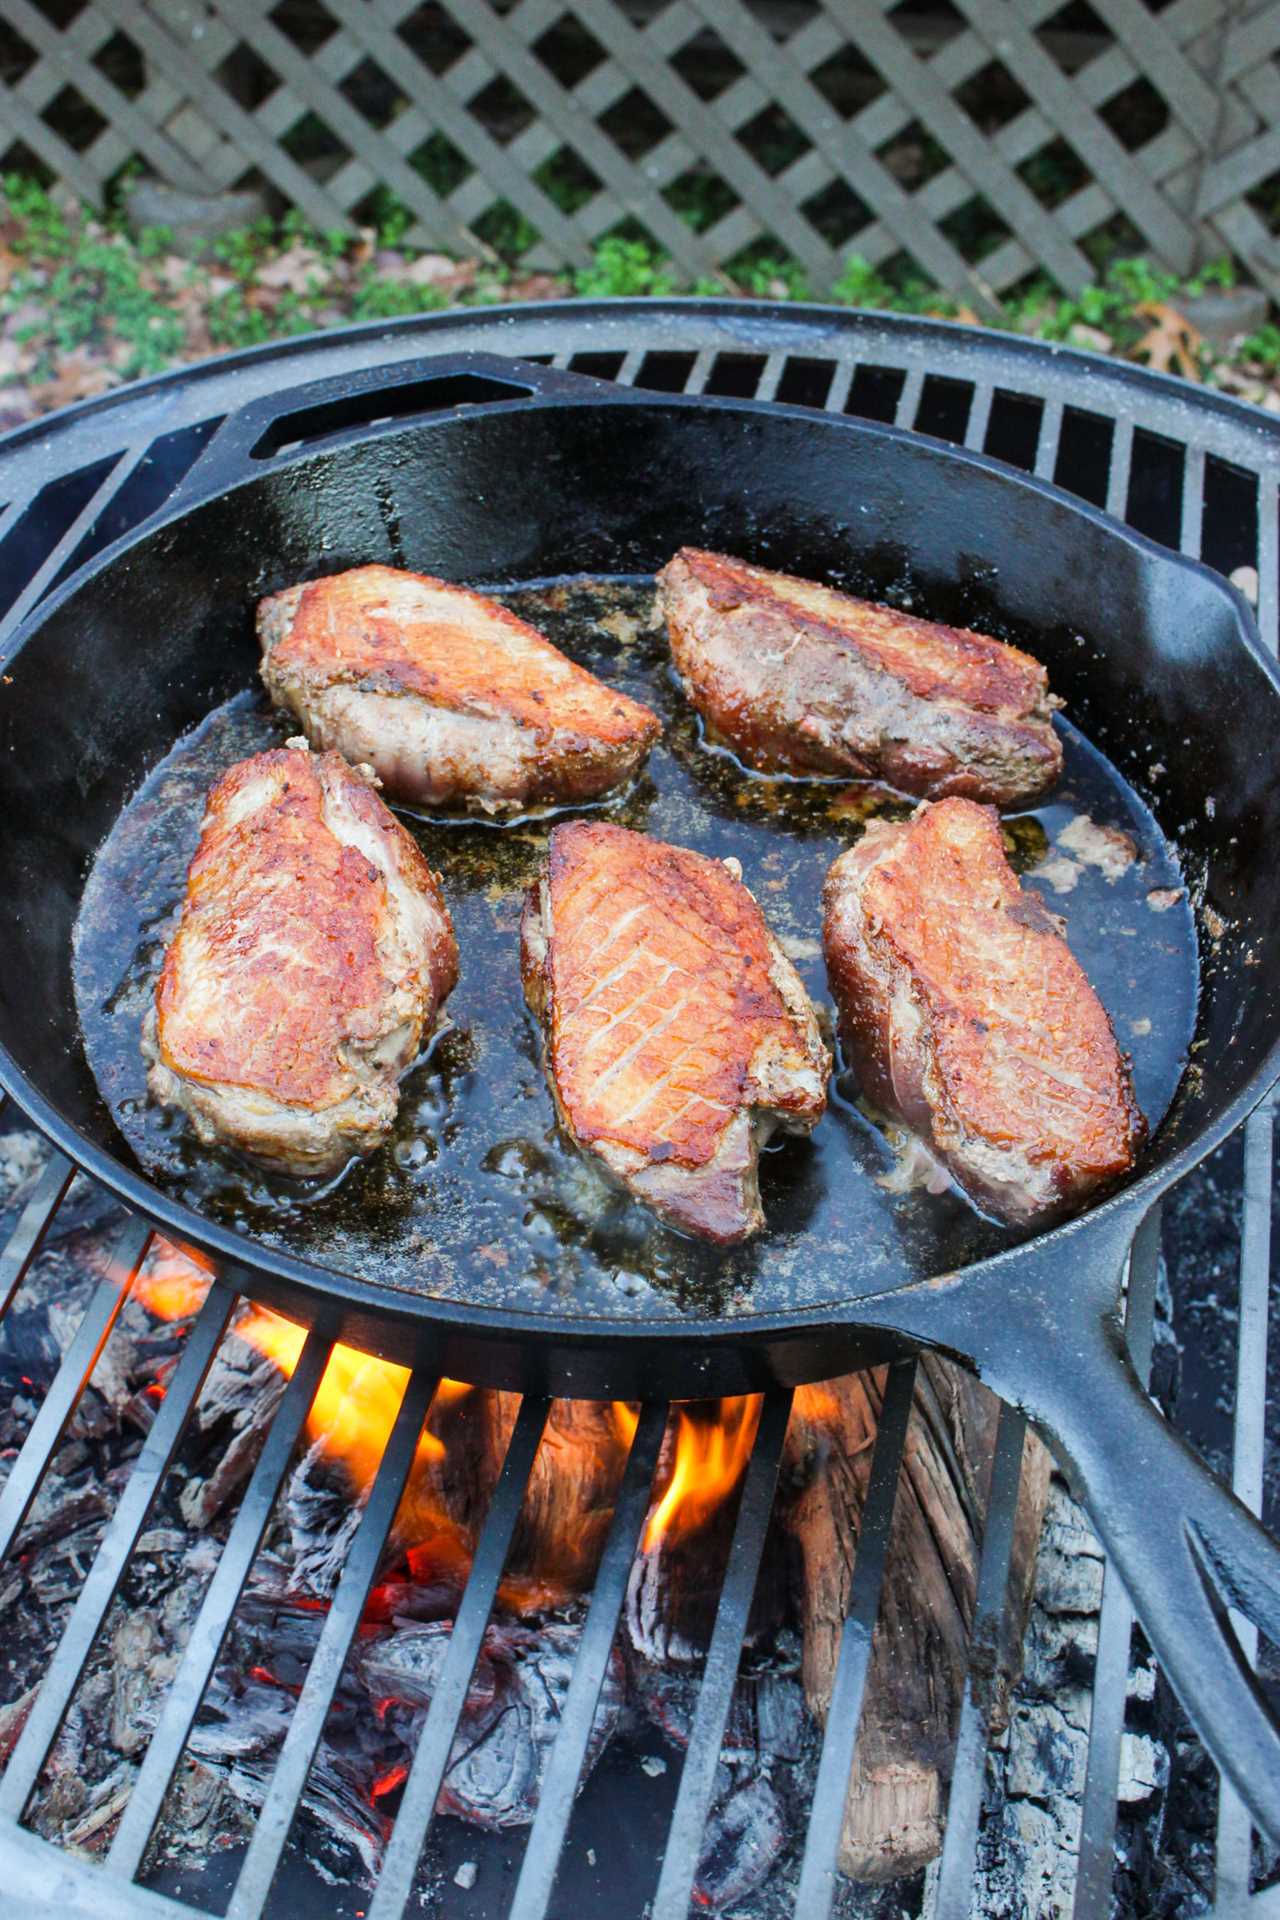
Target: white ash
x=23, y=1158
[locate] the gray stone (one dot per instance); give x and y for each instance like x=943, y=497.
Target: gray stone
x=1225, y=313
x=195, y=220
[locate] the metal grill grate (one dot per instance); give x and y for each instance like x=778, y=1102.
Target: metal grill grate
x=1198, y=472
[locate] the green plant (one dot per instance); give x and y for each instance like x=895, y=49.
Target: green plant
x=624, y=267
x=1263, y=347
x=241, y=250
x=43, y=229
x=771, y=279
x=378, y=299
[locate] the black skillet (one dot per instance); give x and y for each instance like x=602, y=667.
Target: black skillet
x=488, y=470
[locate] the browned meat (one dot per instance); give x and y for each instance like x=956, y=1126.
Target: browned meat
x=678, y=1034
x=966, y=1015
x=798, y=678
x=451, y=698
x=313, y=953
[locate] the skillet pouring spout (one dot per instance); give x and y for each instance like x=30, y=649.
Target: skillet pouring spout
x=1042, y=1327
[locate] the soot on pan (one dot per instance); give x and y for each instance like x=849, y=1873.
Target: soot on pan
x=476, y=1197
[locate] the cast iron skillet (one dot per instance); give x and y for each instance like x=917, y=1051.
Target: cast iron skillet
x=484, y=469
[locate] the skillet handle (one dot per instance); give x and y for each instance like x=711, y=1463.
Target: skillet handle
x=345, y=406
x=1187, y=1551
x=1042, y=1326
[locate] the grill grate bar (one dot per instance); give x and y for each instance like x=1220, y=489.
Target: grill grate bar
x=838, y=391
x=817, y=1885
x=305, y=1728
x=118, y=1542
x=77, y=1364
x=959, y=1844
x=1235, y=1829
x=1047, y=444
x=33, y=1223
x=700, y=371
x=1119, y=471
x=555, y=1800
x=975, y=432
x=1096, y=1869
x=210, y=1628
x=697, y=1778
x=1192, y=527
x=904, y=414
x=770, y=374
x=426, y=1775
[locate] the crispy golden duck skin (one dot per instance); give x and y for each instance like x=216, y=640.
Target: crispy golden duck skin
x=312, y=955
x=678, y=1034
x=796, y=677
x=450, y=697
x=966, y=1015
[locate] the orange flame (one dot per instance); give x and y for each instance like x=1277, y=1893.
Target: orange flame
x=713, y=1445
x=358, y=1399
x=816, y=1405
x=359, y=1395
x=172, y=1281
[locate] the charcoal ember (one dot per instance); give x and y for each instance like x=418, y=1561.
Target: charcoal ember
x=403, y=1667
x=243, y=1722
x=240, y=1718
x=237, y=1404
x=322, y=1518
x=107, y=1800
x=768, y=1718
x=64, y=1795
x=13, y=1719
x=58, y=1512
x=416, y=1602
x=745, y=1834
x=511, y=1716
x=200, y=1812
x=141, y=1668
x=667, y=1697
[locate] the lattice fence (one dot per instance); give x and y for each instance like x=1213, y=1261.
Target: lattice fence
x=977, y=140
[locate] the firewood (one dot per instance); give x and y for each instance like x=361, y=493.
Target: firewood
x=893, y=1817
x=676, y=1579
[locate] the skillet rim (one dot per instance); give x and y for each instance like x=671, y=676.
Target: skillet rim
x=333, y=1288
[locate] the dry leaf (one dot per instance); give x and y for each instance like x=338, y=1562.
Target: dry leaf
x=1171, y=344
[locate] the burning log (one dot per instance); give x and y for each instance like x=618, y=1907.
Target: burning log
x=893, y=1811
x=675, y=1583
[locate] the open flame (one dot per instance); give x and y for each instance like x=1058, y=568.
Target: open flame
x=713, y=1444
x=359, y=1396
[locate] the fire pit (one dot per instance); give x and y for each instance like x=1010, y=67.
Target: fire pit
x=243, y=1564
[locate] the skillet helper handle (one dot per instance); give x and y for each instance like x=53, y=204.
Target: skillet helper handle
x=1188, y=1553
x=1043, y=1329
x=274, y=426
